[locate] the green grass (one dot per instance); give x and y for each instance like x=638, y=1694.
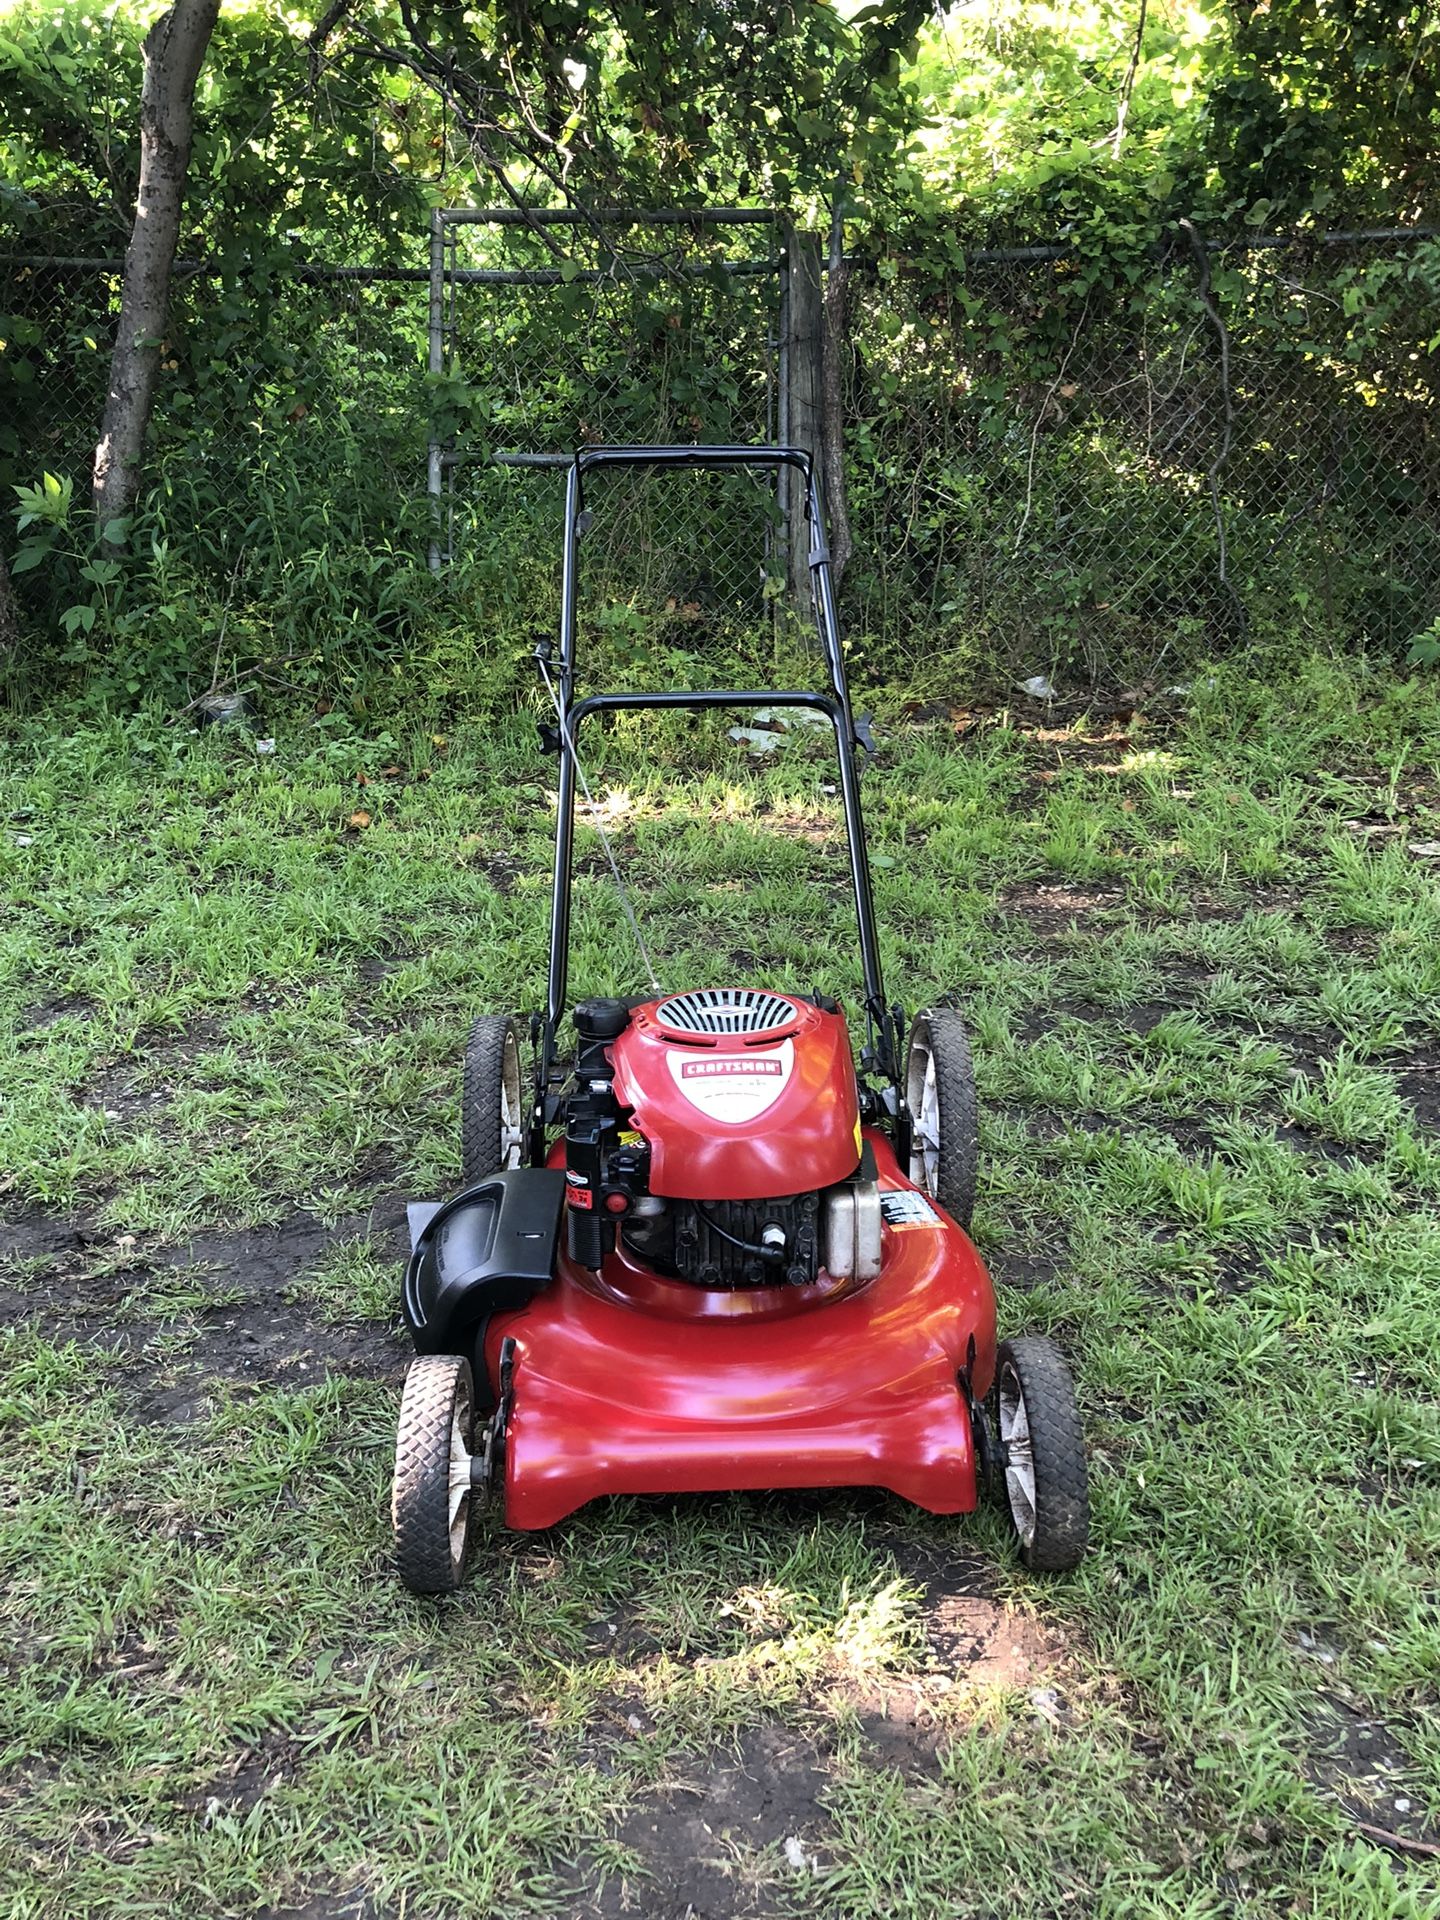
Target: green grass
x=1202, y=967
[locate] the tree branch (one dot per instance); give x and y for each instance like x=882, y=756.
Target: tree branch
x=320, y=34
x=1122, y=109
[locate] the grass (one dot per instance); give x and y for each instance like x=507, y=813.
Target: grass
x=1202, y=966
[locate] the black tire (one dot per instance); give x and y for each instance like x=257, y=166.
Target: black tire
x=436, y=1413
x=1050, y=1514
x=945, y=1151
x=492, y=1104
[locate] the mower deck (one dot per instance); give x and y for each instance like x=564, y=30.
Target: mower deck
x=628, y=1382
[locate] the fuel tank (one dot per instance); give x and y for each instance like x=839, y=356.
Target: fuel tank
x=741, y=1094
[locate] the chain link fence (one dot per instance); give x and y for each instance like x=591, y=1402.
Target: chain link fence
x=293, y=355
x=1089, y=476
x=284, y=513
x=1045, y=471
x=612, y=328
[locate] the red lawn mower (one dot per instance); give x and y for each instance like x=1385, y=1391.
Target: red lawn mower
x=704, y=1253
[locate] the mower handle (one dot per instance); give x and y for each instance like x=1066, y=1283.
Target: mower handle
x=707, y=697
x=883, y=1023
x=591, y=457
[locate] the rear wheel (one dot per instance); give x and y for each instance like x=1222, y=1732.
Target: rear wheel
x=1042, y=1454
x=430, y=1504
x=492, y=1114
x=940, y=1094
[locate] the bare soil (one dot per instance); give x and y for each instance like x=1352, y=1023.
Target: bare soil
x=250, y=1328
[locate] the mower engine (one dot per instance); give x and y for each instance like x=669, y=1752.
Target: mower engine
x=718, y=1133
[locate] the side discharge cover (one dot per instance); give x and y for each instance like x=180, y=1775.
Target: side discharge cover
x=489, y=1250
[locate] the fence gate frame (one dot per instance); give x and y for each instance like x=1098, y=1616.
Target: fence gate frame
x=791, y=391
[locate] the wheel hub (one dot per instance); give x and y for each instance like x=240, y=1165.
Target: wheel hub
x=512, y=1118
x=1017, y=1455
x=486, y=1466
x=924, y=1102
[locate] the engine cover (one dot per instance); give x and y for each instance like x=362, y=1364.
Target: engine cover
x=741, y=1095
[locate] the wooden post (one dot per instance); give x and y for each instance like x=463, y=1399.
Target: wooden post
x=804, y=349
x=9, y=614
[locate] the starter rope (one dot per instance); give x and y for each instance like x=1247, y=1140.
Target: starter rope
x=626, y=908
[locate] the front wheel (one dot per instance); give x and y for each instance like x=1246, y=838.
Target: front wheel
x=1042, y=1454
x=430, y=1504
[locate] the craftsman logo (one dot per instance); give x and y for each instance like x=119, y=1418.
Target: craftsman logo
x=729, y=1063
x=733, y=1087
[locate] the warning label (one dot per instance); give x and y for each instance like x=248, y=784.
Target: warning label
x=904, y=1208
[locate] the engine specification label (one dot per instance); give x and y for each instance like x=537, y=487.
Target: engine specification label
x=902, y=1208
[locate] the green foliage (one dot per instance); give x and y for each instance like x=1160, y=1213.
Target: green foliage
x=1425, y=647
x=86, y=579
x=286, y=454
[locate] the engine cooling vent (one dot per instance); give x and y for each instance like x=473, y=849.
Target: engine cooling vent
x=725, y=1010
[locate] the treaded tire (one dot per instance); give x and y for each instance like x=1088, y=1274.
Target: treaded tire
x=1032, y=1373
x=437, y=1411
x=492, y=1115
x=945, y=1156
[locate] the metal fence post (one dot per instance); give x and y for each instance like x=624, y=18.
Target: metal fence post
x=803, y=340
x=435, y=462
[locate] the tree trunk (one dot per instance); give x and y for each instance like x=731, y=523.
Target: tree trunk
x=9, y=615
x=832, y=411
x=173, y=52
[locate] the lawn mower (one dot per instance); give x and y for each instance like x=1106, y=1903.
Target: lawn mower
x=701, y=1251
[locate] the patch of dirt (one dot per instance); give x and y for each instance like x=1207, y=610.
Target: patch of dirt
x=1361, y=1761
x=1024, y=1272
x=115, y=1095
x=162, y=1050
x=34, y=1235
x=45, y=1013
x=355, y=1905
x=230, y=1304
x=1315, y=1146
x=1419, y=1083
x=1043, y=1124
x=985, y=1644
x=1053, y=909
x=246, y=1777
x=1134, y=1022
x=973, y=1639
x=1195, y=1140
x=714, y=1847
x=900, y=1731
x=1235, y=1273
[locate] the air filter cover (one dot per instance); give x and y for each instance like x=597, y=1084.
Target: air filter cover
x=725, y=1010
